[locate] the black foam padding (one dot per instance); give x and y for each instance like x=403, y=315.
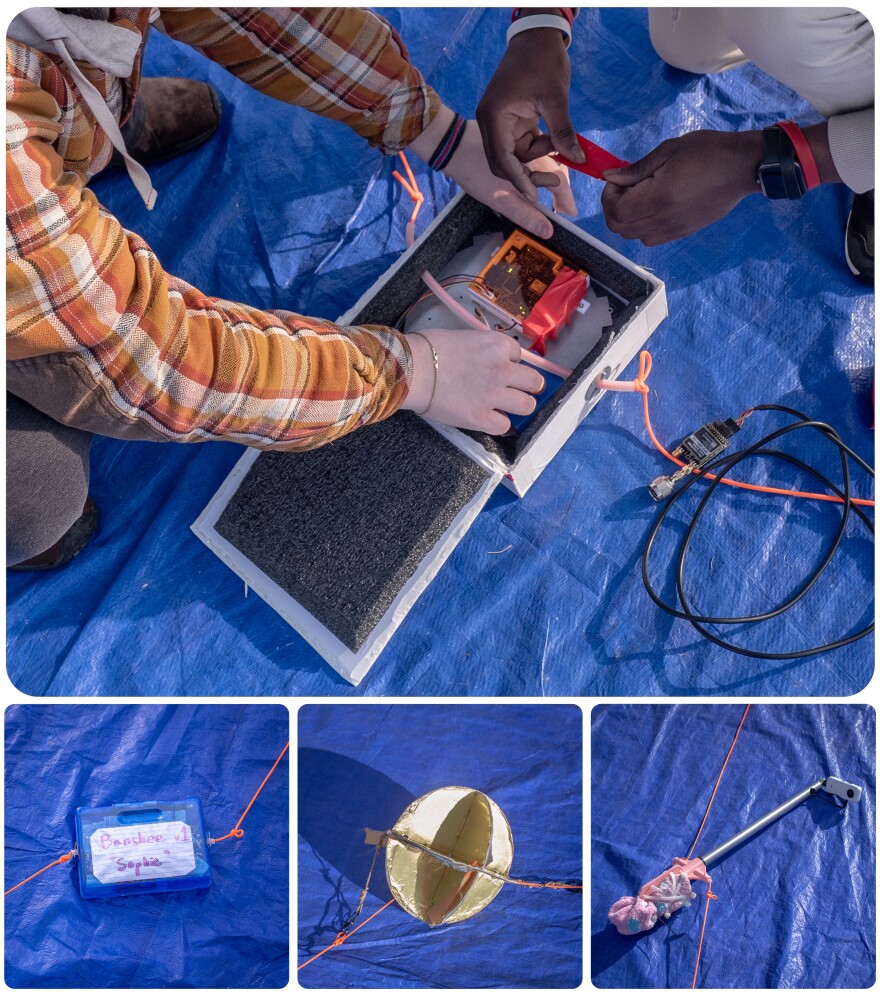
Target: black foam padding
x=470, y=218
x=342, y=528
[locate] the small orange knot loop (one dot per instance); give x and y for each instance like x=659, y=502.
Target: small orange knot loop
x=339, y=939
x=58, y=861
x=237, y=832
x=641, y=381
x=711, y=895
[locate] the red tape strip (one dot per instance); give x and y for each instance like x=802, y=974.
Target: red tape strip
x=597, y=159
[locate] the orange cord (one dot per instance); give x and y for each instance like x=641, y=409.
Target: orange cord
x=236, y=832
x=718, y=780
x=416, y=195
x=709, y=894
x=640, y=386
x=709, y=897
x=547, y=886
x=58, y=861
x=342, y=936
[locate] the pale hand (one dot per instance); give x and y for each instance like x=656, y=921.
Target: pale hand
x=470, y=169
x=480, y=379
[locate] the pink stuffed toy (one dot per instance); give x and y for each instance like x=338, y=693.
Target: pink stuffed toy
x=660, y=897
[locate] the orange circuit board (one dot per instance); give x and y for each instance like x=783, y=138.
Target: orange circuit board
x=518, y=275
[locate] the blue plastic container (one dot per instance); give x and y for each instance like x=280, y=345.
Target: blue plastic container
x=552, y=382
x=150, y=847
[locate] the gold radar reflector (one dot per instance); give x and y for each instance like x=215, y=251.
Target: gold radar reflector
x=434, y=844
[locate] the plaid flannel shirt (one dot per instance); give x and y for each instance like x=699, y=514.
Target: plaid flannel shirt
x=100, y=337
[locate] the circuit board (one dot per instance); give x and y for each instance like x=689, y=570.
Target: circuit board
x=518, y=275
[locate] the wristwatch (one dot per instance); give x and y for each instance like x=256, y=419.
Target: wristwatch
x=788, y=169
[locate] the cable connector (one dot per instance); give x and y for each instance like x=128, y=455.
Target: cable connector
x=695, y=451
x=663, y=486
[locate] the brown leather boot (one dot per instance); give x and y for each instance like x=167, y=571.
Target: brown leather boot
x=68, y=546
x=172, y=116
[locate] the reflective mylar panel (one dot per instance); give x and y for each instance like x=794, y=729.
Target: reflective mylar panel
x=463, y=824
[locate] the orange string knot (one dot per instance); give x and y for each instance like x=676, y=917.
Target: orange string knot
x=418, y=198
x=237, y=833
x=39, y=872
x=641, y=381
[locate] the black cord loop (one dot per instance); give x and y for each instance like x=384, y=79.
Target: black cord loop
x=720, y=467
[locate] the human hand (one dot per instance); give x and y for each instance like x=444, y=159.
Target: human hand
x=470, y=169
x=479, y=379
x=685, y=184
x=531, y=81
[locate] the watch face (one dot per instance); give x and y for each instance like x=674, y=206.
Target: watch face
x=777, y=186
x=770, y=180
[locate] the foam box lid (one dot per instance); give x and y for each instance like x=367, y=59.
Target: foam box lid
x=341, y=541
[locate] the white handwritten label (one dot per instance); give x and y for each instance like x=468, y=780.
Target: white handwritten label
x=126, y=854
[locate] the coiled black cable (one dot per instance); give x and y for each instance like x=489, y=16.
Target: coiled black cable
x=720, y=467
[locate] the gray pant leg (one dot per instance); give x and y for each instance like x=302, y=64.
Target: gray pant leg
x=47, y=479
x=695, y=39
x=825, y=54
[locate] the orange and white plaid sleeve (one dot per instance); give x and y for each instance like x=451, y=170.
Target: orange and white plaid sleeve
x=100, y=337
x=340, y=62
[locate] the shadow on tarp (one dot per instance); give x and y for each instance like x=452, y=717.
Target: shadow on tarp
x=338, y=798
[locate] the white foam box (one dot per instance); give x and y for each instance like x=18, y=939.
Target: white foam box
x=352, y=642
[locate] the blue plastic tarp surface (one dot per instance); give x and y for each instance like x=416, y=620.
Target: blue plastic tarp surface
x=362, y=767
x=232, y=934
x=795, y=904
x=283, y=209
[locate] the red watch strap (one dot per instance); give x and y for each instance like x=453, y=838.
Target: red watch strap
x=803, y=152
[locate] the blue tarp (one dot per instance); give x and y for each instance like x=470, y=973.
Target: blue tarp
x=796, y=903
x=283, y=209
x=362, y=767
x=233, y=934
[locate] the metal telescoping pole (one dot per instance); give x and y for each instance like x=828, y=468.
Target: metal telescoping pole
x=762, y=822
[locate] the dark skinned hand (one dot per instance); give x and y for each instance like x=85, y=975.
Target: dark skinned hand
x=531, y=82
x=685, y=184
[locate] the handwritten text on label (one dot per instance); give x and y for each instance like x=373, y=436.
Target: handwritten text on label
x=125, y=854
